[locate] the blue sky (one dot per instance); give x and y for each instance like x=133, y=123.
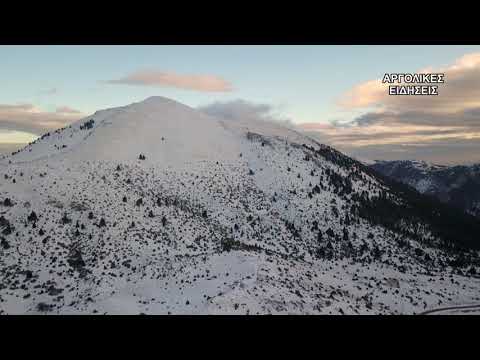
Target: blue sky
x=302, y=83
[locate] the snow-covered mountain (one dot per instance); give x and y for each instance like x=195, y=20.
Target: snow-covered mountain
x=456, y=185
x=158, y=208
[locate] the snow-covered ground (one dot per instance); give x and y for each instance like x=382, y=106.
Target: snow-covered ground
x=236, y=217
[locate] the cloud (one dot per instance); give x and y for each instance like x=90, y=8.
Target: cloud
x=204, y=83
x=391, y=133
x=407, y=126
x=459, y=91
x=238, y=110
x=442, y=147
x=15, y=137
x=389, y=137
x=466, y=117
x=31, y=119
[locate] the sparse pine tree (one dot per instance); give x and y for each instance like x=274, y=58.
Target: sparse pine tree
x=319, y=236
x=65, y=219
x=32, y=217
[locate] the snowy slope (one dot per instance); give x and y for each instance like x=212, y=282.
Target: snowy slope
x=220, y=217
x=170, y=132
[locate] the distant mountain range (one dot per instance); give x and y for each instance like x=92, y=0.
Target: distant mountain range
x=456, y=185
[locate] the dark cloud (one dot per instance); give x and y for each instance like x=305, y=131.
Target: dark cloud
x=370, y=118
x=473, y=113
x=244, y=110
x=466, y=117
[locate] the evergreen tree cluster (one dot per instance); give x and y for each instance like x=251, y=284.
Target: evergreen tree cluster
x=87, y=125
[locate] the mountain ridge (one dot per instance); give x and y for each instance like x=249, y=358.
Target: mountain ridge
x=220, y=216
x=456, y=185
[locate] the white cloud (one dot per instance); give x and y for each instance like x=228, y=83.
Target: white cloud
x=204, y=83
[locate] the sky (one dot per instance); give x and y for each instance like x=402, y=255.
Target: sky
x=332, y=92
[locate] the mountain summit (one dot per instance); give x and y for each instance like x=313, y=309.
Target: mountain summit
x=156, y=207
x=170, y=132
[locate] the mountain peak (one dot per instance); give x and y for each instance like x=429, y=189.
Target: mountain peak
x=157, y=101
